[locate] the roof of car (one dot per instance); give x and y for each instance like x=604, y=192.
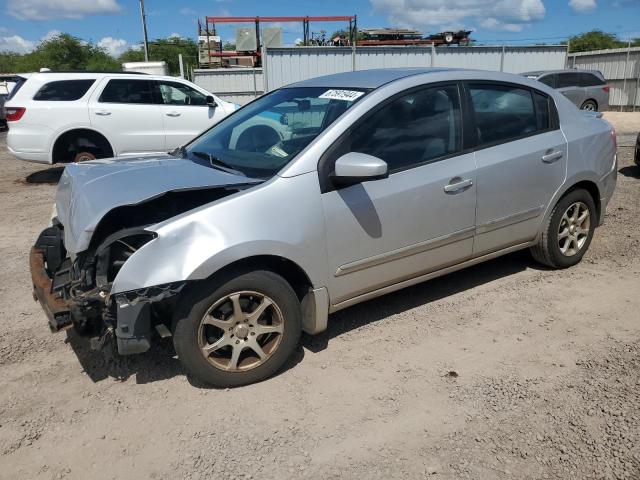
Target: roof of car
x=367, y=78
x=539, y=73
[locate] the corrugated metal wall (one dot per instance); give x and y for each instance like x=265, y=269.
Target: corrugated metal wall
x=282, y=66
x=621, y=69
x=237, y=85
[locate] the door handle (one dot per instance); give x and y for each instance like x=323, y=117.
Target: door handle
x=103, y=113
x=173, y=114
x=457, y=185
x=552, y=157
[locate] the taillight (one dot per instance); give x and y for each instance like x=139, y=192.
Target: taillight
x=14, y=114
x=606, y=88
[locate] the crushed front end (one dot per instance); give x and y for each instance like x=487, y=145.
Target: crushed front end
x=76, y=292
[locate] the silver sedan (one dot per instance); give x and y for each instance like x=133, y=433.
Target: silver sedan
x=315, y=197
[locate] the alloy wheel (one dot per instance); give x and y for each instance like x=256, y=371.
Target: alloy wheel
x=574, y=228
x=241, y=331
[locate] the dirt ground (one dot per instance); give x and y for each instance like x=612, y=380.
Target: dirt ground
x=502, y=371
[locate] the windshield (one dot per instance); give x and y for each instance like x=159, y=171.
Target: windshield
x=264, y=136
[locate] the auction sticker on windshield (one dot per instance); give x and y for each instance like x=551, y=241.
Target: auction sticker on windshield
x=348, y=95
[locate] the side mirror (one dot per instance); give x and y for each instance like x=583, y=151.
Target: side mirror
x=211, y=101
x=354, y=167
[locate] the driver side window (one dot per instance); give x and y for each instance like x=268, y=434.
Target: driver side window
x=410, y=130
x=175, y=93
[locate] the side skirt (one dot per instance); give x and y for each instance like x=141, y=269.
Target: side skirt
x=423, y=278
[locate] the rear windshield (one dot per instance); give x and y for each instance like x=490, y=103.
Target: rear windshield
x=64, y=90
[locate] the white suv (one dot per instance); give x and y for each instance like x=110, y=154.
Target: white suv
x=66, y=117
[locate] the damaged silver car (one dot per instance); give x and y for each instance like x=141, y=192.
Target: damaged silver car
x=313, y=198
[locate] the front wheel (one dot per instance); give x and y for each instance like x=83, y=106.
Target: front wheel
x=568, y=232
x=238, y=332
x=83, y=156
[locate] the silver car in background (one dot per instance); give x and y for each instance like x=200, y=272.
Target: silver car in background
x=587, y=89
x=313, y=198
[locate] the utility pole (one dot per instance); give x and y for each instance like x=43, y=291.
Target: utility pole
x=144, y=29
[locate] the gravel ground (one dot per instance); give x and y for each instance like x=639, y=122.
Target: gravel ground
x=502, y=371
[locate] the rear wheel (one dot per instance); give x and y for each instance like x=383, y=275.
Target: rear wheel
x=568, y=232
x=590, y=106
x=238, y=332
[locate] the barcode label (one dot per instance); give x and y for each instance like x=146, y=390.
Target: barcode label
x=347, y=95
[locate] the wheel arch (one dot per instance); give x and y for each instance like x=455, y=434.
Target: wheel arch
x=293, y=273
x=314, y=301
x=590, y=187
x=99, y=139
x=587, y=184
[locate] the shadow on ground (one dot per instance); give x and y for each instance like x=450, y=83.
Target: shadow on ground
x=161, y=363
x=632, y=171
x=383, y=307
x=49, y=176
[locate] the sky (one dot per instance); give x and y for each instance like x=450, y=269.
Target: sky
x=115, y=24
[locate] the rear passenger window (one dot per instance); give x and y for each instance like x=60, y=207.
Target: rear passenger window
x=590, y=80
x=503, y=113
x=568, y=80
x=63, y=90
x=542, y=111
x=128, y=91
x=410, y=130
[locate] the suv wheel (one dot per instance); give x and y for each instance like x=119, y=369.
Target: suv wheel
x=568, y=232
x=84, y=156
x=590, y=106
x=238, y=332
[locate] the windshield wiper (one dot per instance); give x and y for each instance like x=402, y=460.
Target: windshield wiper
x=217, y=163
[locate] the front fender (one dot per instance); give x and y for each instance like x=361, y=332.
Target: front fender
x=281, y=218
x=196, y=256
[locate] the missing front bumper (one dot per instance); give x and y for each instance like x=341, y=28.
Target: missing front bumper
x=55, y=307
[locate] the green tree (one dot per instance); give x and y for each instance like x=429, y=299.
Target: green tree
x=594, y=40
x=165, y=49
x=345, y=33
x=62, y=52
x=228, y=46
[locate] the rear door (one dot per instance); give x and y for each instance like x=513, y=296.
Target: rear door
x=568, y=83
x=185, y=113
x=128, y=112
x=521, y=158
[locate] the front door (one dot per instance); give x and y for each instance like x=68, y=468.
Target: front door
x=521, y=162
x=419, y=219
x=127, y=111
x=185, y=113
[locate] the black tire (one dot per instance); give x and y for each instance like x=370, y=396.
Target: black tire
x=548, y=251
x=590, y=105
x=196, y=303
x=84, y=156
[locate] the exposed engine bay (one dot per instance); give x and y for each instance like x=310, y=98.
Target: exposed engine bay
x=75, y=290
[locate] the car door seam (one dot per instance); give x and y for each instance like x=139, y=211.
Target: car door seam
x=518, y=217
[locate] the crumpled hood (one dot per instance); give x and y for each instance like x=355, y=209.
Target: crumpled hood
x=88, y=191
